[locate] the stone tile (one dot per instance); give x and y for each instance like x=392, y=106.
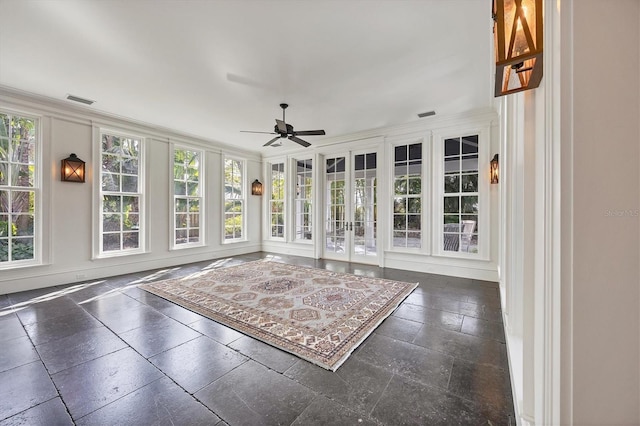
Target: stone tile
x=60, y=327
x=198, y=363
x=4, y=301
x=216, y=331
x=24, y=387
x=407, y=402
x=129, y=318
x=86, y=292
x=17, y=352
x=483, y=299
x=158, y=336
x=481, y=328
x=112, y=377
x=265, y=354
x=411, y=361
x=323, y=411
x=80, y=347
x=10, y=327
x=399, y=329
x=52, y=412
x=47, y=310
x=30, y=296
x=464, y=346
x=449, y=320
x=120, y=281
x=170, y=309
x=488, y=386
x=253, y=394
x=356, y=384
x=161, y=402
x=110, y=302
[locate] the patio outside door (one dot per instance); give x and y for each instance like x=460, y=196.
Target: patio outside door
x=350, y=217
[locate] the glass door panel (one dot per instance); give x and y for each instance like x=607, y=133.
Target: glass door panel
x=336, y=214
x=350, y=207
x=364, y=202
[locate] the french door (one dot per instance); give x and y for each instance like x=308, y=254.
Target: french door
x=350, y=210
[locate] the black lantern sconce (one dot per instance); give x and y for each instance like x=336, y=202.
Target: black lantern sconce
x=72, y=169
x=518, y=37
x=256, y=188
x=494, y=171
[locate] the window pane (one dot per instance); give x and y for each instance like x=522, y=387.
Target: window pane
x=234, y=201
x=120, y=173
x=470, y=183
x=303, y=200
x=400, y=153
x=186, y=171
x=22, y=175
x=111, y=203
x=451, y=205
x=129, y=183
x=179, y=188
x=415, y=151
x=22, y=249
x=470, y=144
x=110, y=222
x=130, y=204
x=414, y=205
x=460, y=207
x=400, y=205
x=451, y=147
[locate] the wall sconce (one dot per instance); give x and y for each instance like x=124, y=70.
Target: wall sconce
x=256, y=188
x=518, y=34
x=494, y=170
x=72, y=169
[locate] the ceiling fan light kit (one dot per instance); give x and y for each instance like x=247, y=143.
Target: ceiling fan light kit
x=284, y=130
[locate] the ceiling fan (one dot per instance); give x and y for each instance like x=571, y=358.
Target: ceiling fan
x=284, y=130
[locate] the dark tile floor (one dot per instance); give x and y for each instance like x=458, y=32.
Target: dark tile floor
x=106, y=352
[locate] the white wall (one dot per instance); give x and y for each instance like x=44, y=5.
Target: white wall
x=601, y=358
x=68, y=206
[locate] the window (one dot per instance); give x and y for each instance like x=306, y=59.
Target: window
x=276, y=202
x=304, y=200
x=187, y=197
x=407, y=201
x=233, y=199
x=460, y=215
x=121, y=194
x=19, y=190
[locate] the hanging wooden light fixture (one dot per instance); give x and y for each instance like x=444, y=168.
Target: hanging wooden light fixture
x=256, y=187
x=494, y=170
x=72, y=169
x=518, y=37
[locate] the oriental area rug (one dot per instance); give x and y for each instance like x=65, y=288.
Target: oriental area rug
x=315, y=314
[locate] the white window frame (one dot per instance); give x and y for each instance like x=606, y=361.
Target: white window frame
x=271, y=200
x=141, y=194
x=484, y=202
x=297, y=200
x=242, y=199
x=37, y=189
x=426, y=179
x=200, y=197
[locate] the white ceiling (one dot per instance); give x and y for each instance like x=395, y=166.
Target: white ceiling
x=213, y=68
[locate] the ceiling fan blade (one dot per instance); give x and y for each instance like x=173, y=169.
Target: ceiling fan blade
x=299, y=141
x=271, y=141
x=310, y=132
x=265, y=133
x=282, y=127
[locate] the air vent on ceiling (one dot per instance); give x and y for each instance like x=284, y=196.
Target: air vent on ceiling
x=426, y=114
x=79, y=99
